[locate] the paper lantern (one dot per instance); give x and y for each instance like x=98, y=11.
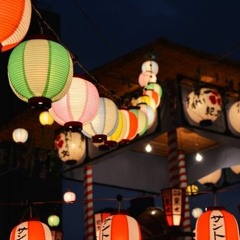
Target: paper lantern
x=31, y=230
x=53, y=220
x=216, y=223
x=204, y=107
x=211, y=178
x=98, y=220
x=20, y=135
x=120, y=226
x=150, y=113
x=234, y=116
x=145, y=78
x=71, y=147
x=142, y=120
x=15, y=17
x=104, y=123
x=79, y=106
x=147, y=100
x=196, y=212
x=236, y=169
x=192, y=190
x=150, y=66
x=69, y=197
x=155, y=88
x=173, y=205
x=40, y=71
x=45, y=118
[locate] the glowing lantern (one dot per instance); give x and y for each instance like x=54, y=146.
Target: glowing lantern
x=71, y=147
x=216, y=223
x=98, y=219
x=45, y=118
x=148, y=110
x=40, y=71
x=192, y=190
x=120, y=226
x=234, y=116
x=69, y=197
x=236, y=169
x=79, y=106
x=142, y=120
x=173, y=205
x=150, y=66
x=53, y=220
x=104, y=123
x=145, y=78
x=31, y=230
x=196, y=212
x=204, y=107
x=20, y=135
x=147, y=100
x=155, y=88
x=211, y=178
x=15, y=17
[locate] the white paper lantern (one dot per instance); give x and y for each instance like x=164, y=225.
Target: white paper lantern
x=20, y=135
x=69, y=197
x=234, y=116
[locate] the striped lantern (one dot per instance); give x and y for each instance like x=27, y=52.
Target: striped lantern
x=150, y=66
x=104, y=123
x=31, y=230
x=204, y=106
x=216, y=223
x=120, y=226
x=98, y=220
x=20, y=135
x=79, y=106
x=155, y=88
x=15, y=17
x=71, y=147
x=145, y=78
x=142, y=120
x=40, y=71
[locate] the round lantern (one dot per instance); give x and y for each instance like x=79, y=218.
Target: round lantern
x=69, y=197
x=211, y=178
x=31, y=230
x=79, y=106
x=216, y=223
x=145, y=78
x=236, y=169
x=150, y=66
x=120, y=226
x=204, y=107
x=234, y=116
x=142, y=120
x=145, y=99
x=154, y=87
x=53, y=220
x=196, y=212
x=45, y=118
x=20, y=135
x=71, y=147
x=40, y=71
x=15, y=17
x=149, y=112
x=104, y=123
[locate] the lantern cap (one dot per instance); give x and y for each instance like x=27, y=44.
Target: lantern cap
x=73, y=126
x=40, y=102
x=71, y=162
x=215, y=208
x=42, y=36
x=98, y=138
x=205, y=123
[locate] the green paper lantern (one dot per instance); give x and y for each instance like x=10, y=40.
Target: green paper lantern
x=40, y=71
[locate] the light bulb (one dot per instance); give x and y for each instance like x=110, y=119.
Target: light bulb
x=198, y=157
x=148, y=148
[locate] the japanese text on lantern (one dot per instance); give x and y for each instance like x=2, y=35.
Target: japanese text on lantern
x=217, y=226
x=21, y=233
x=106, y=228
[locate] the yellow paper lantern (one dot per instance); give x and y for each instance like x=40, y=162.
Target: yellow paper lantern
x=45, y=118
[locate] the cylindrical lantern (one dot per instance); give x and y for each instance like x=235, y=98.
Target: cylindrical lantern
x=120, y=226
x=45, y=118
x=20, y=135
x=31, y=230
x=145, y=78
x=104, y=123
x=216, y=223
x=173, y=205
x=69, y=197
x=204, y=106
x=40, y=71
x=15, y=17
x=79, y=106
x=150, y=66
x=211, y=178
x=236, y=169
x=53, y=220
x=234, y=116
x=98, y=219
x=71, y=147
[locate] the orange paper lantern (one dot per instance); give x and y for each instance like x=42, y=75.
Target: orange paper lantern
x=31, y=230
x=216, y=223
x=120, y=226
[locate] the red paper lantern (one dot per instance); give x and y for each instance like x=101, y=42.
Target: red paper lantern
x=31, y=230
x=216, y=223
x=120, y=226
x=15, y=17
